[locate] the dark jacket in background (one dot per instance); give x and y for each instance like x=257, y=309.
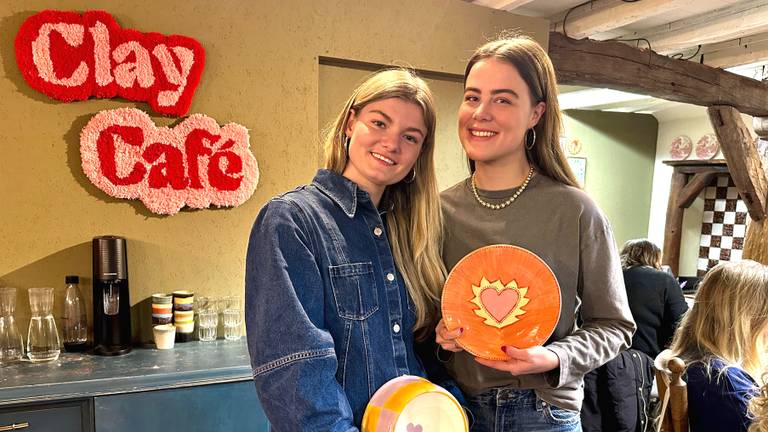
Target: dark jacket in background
x=616, y=394
x=657, y=305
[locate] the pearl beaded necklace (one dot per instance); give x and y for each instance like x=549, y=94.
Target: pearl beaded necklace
x=506, y=203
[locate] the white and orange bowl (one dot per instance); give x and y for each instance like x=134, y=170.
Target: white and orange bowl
x=413, y=404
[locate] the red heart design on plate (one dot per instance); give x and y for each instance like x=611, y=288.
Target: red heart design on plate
x=499, y=304
x=414, y=428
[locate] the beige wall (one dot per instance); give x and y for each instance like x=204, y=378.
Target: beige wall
x=262, y=71
x=620, y=149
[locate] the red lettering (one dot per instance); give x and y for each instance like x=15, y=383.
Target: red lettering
x=231, y=178
x=72, y=57
x=168, y=172
x=195, y=148
x=106, y=147
x=197, y=163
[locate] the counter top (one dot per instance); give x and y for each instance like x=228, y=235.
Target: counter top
x=76, y=375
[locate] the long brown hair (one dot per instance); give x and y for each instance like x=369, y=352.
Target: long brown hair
x=728, y=319
x=415, y=219
x=640, y=252
x=536, y=69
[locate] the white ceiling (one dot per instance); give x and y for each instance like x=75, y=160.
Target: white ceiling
x=722, y=33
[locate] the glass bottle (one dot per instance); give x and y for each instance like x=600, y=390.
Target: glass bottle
x=74, y=321
x=11, y=344
x=43, y=337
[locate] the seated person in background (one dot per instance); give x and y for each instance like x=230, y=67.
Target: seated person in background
x=758, y=409
x=722, y=342
x=616, y=394
x=655, y=298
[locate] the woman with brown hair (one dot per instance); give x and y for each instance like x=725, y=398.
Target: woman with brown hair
x=617, y=394
x=342, y=271
x=522, y=192
x=655, y=298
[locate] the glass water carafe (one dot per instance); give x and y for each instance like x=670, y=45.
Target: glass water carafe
x=43, y=338
x=11, y=345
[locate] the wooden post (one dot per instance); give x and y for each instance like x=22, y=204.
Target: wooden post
x=678, y=396
x=674, y=226
x=741, y=155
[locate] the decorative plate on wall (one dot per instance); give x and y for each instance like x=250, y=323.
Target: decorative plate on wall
x=707, y=146
x=681, y=147
x=501, y=295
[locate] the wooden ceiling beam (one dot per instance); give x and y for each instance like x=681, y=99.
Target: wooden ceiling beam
x=740, y=20
x=741, y=156
x=507, y=5
x=622, y=67
x=693, y=188
x=604, y=15
x=742, y=55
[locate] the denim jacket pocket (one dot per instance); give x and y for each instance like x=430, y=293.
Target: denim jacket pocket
x=354, y=290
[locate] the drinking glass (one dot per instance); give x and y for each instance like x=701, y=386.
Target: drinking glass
x=207, y=321
x=11, y=344
x=232, y=322
x=43, y=337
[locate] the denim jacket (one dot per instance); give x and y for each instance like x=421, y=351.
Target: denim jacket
x=327, y=313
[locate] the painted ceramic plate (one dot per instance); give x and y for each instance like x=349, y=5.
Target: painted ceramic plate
x=681, y=147
x=413, y=404
x=707, y=146
x=501, y=295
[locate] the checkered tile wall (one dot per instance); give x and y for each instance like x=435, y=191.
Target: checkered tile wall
x=724, y=225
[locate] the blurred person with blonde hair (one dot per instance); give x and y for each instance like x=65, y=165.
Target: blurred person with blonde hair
x=758, y=409
x=722, y=341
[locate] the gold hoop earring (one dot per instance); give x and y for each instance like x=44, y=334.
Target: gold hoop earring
x=346, y=145
x=413, y=177
x=533, y=141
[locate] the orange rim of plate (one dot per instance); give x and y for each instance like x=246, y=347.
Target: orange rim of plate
x=505, y=322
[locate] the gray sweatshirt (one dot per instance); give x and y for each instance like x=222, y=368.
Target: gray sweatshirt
x=565, y=228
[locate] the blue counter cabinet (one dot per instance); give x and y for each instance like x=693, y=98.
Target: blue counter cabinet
x=194, y=387
x=64, y=416
x=214, y=407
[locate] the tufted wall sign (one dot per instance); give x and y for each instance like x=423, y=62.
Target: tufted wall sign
x=72, y=57
x=197, y=163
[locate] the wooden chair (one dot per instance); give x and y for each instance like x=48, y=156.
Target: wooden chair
x=673, y=393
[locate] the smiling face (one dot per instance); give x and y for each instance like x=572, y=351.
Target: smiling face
x=386, y=138
x=496, y=112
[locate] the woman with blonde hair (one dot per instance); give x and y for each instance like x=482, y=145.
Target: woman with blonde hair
x=340, y=271
x=722, y=341
x=522, y=192
x=758, y=409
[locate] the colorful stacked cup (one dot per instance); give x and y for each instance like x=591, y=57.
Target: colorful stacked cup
x=162, y=309
x=184, y=315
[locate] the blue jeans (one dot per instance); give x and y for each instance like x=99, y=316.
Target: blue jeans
x=507, y=410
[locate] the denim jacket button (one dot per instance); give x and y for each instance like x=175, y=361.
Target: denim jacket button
x=377, y=232
x=390, y=277
x=396, y=328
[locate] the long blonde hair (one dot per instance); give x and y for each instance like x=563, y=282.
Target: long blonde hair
x=728, y=319
x=640, y=252
x=414, y=220
x=758, y=409
x=536, y=69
